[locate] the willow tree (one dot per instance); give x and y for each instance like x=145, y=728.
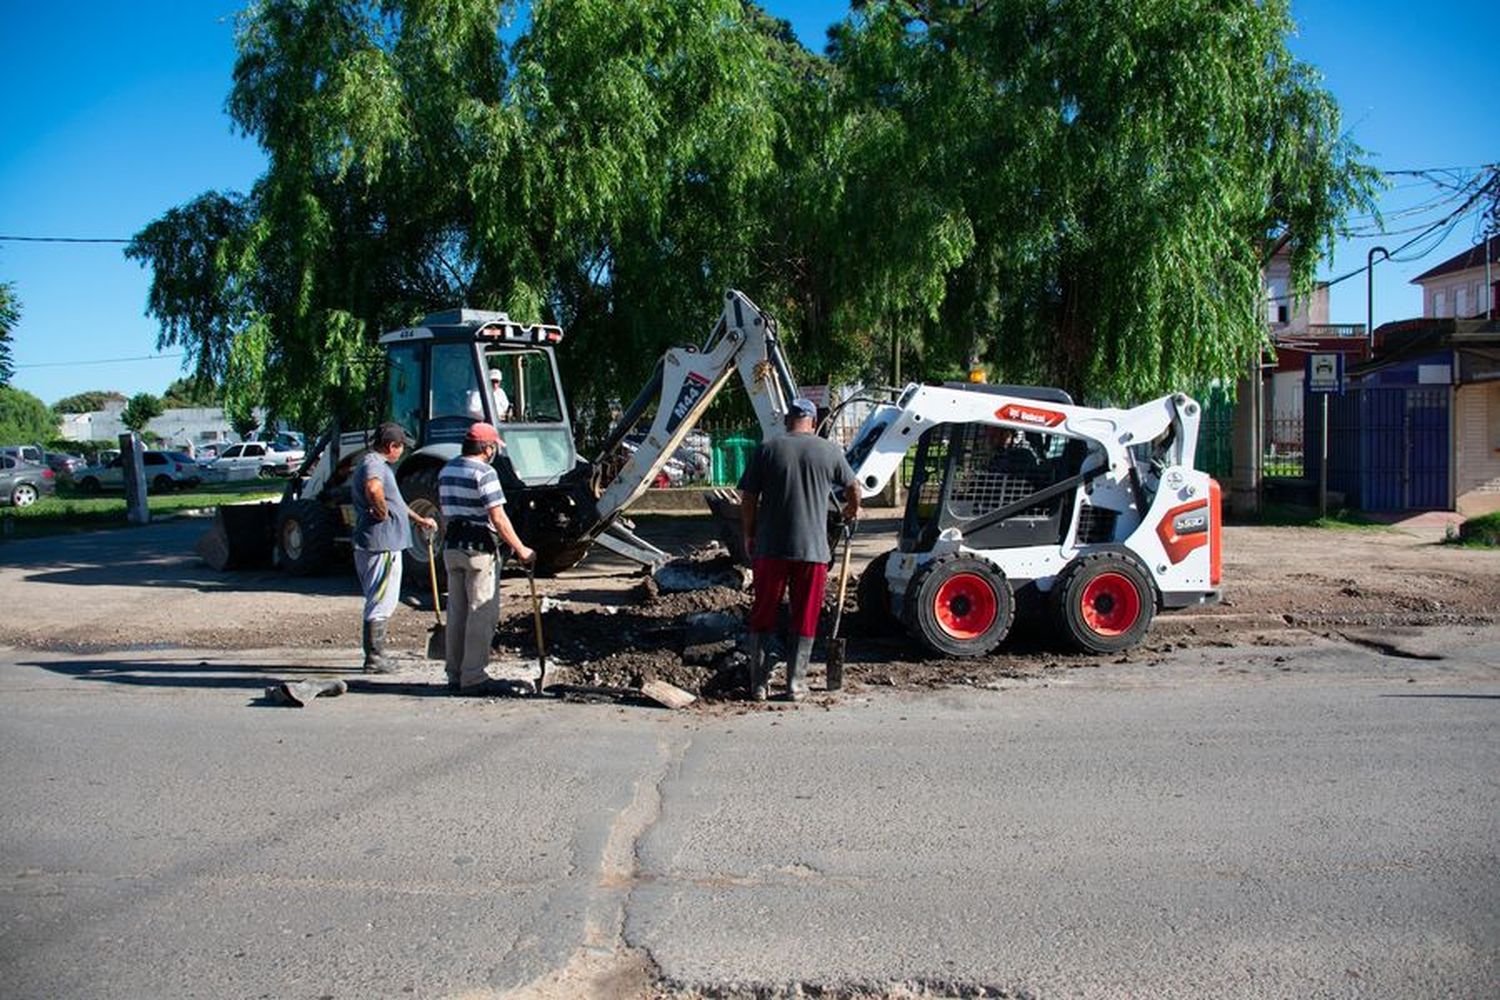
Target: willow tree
x=594, y=170
x=1120, y=170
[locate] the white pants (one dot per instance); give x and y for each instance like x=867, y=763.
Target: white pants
x=380, y=578
x=473, y=612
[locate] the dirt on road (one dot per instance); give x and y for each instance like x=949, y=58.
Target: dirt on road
x=607, y=625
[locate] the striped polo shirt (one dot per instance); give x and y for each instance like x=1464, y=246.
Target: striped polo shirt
x=469, y=489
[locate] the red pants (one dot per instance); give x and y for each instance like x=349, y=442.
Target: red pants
x=807, y=580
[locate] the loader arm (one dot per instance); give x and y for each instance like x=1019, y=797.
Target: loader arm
x=685, y=382
x=882, y=441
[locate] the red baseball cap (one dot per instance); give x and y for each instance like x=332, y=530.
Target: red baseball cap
x=482, y=433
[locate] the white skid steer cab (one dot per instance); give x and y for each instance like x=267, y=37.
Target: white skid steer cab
x=1020, y=499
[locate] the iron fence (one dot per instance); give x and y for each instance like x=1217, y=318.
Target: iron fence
x=1284, y=453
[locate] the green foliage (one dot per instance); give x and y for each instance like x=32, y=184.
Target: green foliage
x=10, y=315
x=243, y=422
x=1480, y=532
x=141, y=410
x=1082, y=192
x=190, y=391
x=87, y=402
x=24, y=419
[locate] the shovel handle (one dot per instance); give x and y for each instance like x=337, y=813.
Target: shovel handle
x=437, y=608
x=536, y=617
x=838, y=611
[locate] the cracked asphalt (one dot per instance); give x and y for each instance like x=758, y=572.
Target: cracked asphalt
x=1257, y=822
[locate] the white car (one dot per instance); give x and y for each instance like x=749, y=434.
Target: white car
x=250, y=459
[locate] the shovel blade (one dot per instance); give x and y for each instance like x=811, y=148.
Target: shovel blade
x=835, y=666
x=437, y=642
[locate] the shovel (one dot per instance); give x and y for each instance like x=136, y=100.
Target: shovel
x=437, y=636
x=835, y=667
x=536, y=617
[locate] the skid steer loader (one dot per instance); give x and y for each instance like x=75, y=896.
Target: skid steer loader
x=438, y=378
x=1020, y=499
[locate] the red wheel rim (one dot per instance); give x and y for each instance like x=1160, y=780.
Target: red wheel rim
x=966, y=606
x=1111, y=604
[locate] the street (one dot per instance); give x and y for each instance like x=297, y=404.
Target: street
x=1259, y=821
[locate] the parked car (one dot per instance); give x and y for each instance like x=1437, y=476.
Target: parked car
x=23, y=483
x=33, y=453
x=165, y=470
x=249, y=459
x=66, y=466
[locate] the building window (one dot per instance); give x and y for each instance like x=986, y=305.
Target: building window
x=1460, y=302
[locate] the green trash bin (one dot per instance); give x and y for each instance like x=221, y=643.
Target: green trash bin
x=730, y=457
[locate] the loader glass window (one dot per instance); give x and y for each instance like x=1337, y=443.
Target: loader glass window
x=538, y=453
x=456, y=400
x=403, y=384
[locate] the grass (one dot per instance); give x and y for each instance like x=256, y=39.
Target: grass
x=70, y=511
x=1290, y=515
x=1481, y=532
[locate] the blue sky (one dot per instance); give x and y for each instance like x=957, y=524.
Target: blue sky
x=114, y=113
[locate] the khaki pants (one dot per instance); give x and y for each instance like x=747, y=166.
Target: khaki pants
x=473, y=611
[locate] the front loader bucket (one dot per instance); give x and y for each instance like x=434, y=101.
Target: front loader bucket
x=243, y=536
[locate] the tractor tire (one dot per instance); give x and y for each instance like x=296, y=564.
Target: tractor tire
x=420, y=491
x=304, y=537
x=959, y=605
x=874, y=599
x=1104, y=602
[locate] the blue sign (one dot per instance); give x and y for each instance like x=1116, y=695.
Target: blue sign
x=1325, y=373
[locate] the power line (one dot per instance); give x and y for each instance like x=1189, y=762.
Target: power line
x=99, y=361
x=62, y=239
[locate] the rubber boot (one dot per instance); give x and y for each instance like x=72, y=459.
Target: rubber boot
x=796, y=669
x=376, y=662
x=760, y=676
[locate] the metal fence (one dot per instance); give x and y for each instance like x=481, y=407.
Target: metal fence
x=1284, y=452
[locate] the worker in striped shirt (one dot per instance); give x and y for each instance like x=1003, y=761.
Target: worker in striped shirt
x=474, y=505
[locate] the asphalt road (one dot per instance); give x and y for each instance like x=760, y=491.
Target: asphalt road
x=1233, y=822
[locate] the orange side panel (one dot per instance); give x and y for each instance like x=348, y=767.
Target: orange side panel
x=1215, y=533
x=1179, y=544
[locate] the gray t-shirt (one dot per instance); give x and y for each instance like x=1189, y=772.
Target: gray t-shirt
x=394, y=533
x=793, y=477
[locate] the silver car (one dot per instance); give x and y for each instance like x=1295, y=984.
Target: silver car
x=23, y=483
x=165, y=470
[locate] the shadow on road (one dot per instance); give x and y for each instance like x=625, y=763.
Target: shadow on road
x=157, y=555
x=249, y=677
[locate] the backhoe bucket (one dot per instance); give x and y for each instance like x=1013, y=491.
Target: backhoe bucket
x=243, y=536
x=728, y=528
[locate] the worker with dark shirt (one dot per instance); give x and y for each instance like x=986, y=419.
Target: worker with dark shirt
x=784, y=497
x=381, y=533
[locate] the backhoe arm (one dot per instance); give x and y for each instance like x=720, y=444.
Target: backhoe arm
x=685, y=382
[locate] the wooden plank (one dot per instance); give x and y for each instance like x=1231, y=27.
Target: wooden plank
x=667, y=695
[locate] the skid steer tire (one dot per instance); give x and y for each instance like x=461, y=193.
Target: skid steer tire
x=304, y=537
x=959, y=605
x=1104, y=602
x=874, y=599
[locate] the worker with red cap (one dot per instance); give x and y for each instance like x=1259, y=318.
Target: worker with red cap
x=473, y=503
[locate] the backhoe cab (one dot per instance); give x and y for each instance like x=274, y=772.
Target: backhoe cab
x=462, y=366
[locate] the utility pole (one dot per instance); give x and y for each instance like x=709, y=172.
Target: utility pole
x=1370, y=293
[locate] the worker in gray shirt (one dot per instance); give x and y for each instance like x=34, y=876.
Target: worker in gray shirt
x=784, y=497
x=381, y=534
